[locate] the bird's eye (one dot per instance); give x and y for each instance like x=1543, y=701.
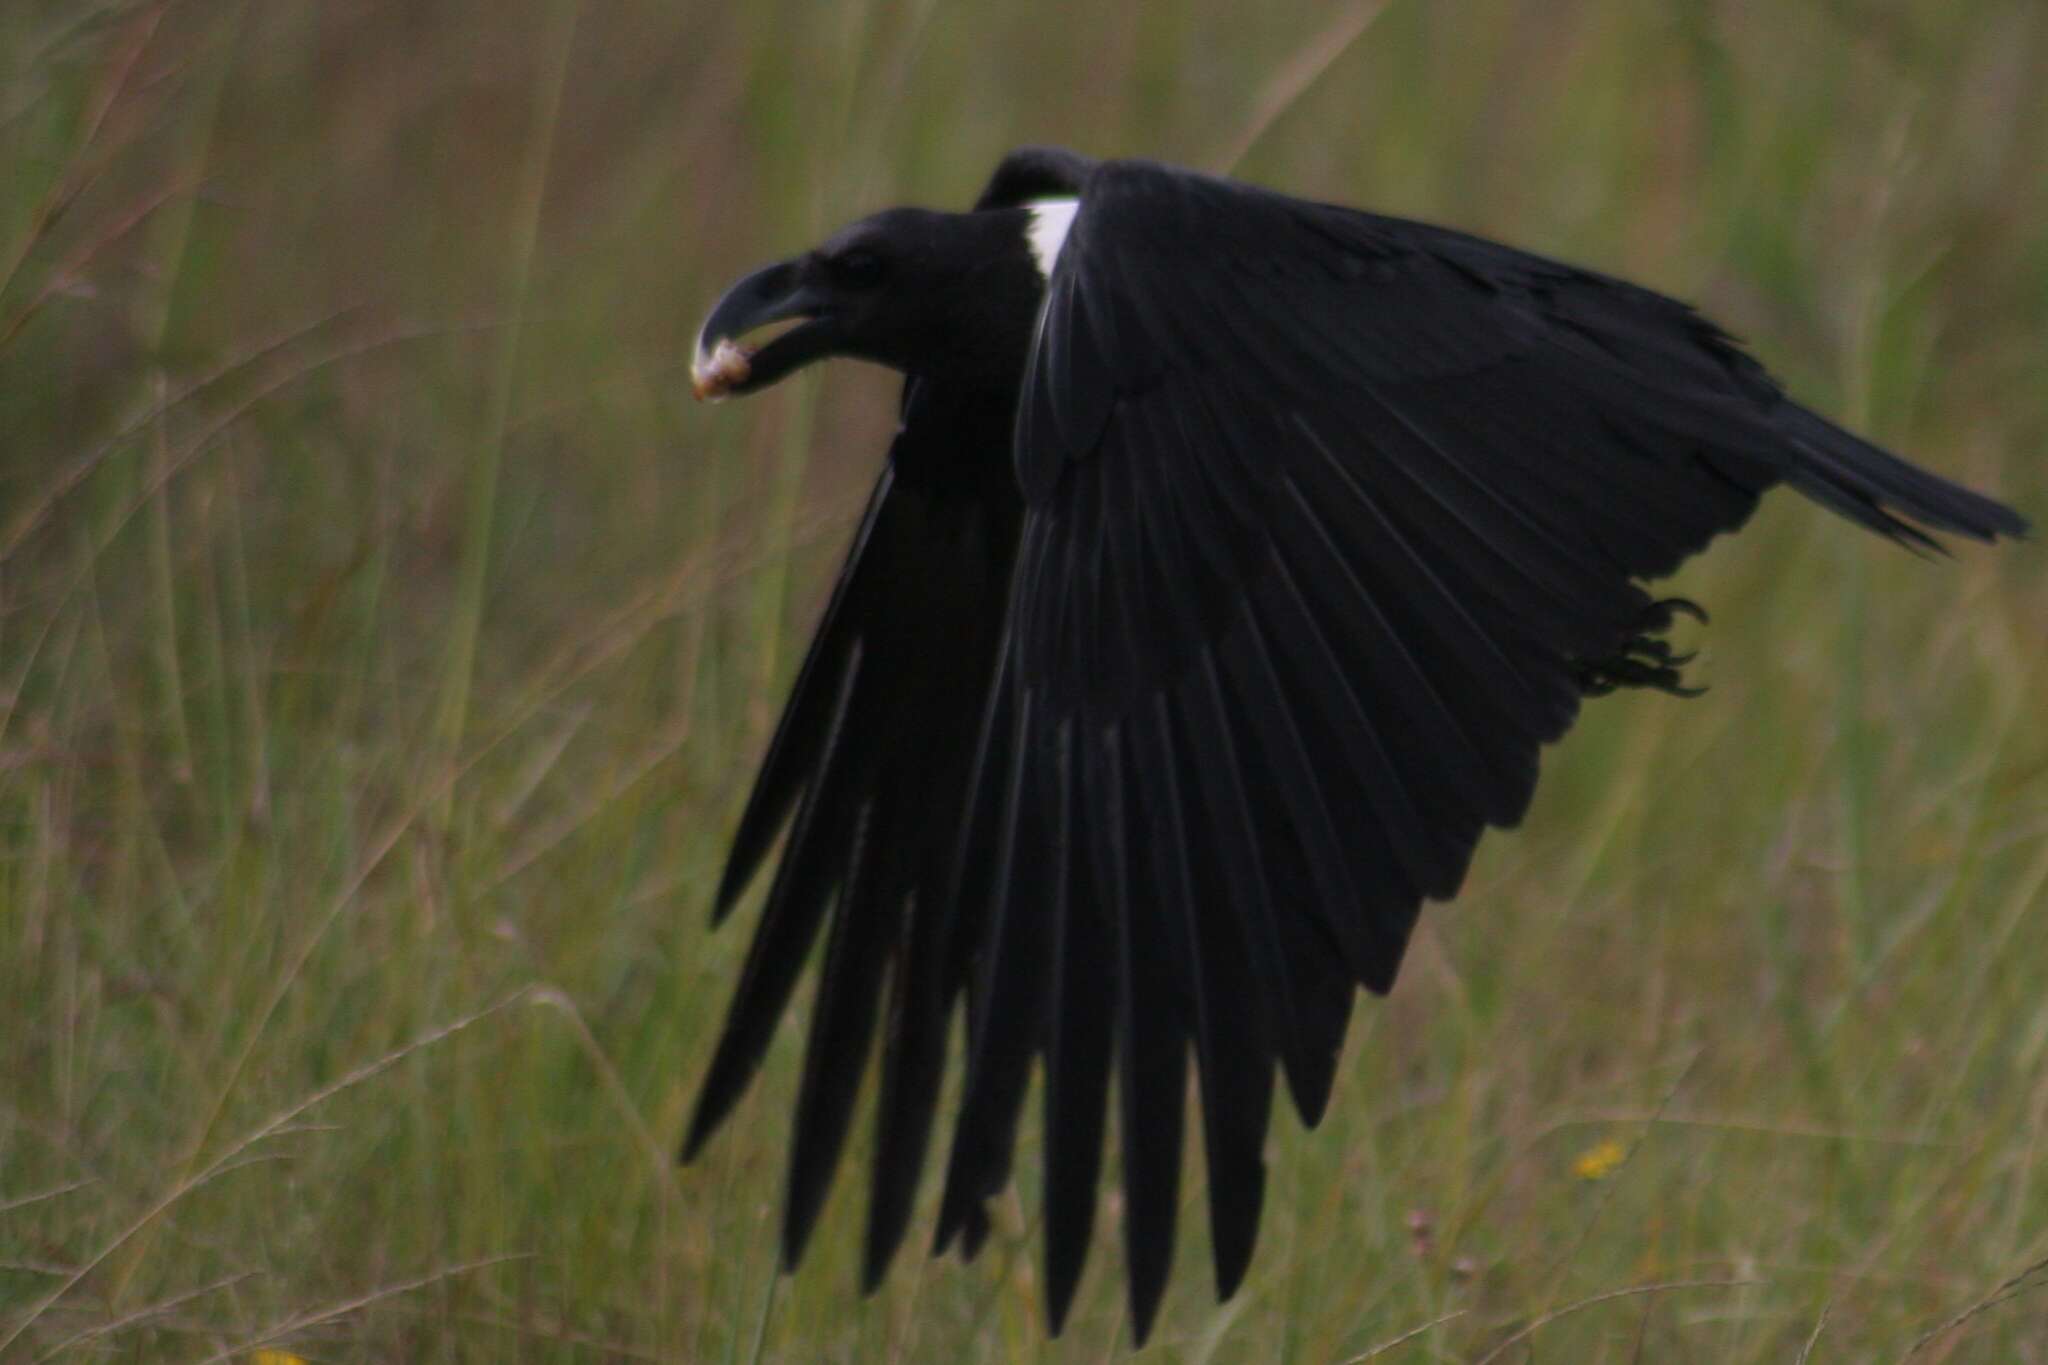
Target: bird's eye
x=858, y=268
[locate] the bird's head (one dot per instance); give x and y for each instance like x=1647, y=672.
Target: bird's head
x=941, y=295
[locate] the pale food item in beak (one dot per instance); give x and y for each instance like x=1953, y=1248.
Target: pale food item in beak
x=713, y=375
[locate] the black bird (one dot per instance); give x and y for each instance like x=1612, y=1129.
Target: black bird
x=1233, y=560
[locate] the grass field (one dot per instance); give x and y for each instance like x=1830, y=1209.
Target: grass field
x=386, y=640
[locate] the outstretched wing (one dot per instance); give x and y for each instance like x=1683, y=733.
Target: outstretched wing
x=867, y=774
x=1330, y=521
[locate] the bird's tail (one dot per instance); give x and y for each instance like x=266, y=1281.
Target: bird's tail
x=1875, y=488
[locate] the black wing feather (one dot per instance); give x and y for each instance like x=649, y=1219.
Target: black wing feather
x=1078, y=1055
x=789, y=924
x=1007, y=1006
x=1152, y=1031
x=842, y=1032
x=1233, y=1056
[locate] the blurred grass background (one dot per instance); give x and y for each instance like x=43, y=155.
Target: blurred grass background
x=385, y=642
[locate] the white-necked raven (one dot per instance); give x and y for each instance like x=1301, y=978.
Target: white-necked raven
x=1234, y=559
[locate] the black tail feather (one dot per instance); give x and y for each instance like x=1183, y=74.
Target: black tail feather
x=1874, y=487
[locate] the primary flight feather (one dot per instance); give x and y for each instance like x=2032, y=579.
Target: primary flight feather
x=1233, y=560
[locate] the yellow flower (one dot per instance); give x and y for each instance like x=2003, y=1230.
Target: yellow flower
x=1598, y=1161
x=268, y=1357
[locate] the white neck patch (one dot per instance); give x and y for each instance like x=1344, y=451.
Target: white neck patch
x=1050, y=219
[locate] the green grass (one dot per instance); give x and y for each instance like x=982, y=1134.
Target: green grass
x=385, y=643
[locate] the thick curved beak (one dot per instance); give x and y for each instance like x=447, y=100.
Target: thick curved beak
x=725, y=365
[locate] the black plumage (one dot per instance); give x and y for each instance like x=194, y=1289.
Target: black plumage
x=1234, y=559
